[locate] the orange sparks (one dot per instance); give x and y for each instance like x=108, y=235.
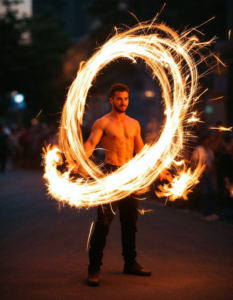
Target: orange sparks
x=39, y=113
x=163, y=50
x=220, y=128
x=143, y=211
x=216, y=98
x=194, y=119
x=89, y=235
x=182, y=184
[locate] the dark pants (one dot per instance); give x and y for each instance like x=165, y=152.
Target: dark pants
x=128, y=208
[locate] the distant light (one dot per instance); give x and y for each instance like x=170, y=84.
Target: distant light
x=19, y=98
x=34, y=121
x=149, y=94
x=122, y=6
x=95, y=24
x=209, y=109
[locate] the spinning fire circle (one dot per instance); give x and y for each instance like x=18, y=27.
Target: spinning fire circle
x=170, y=57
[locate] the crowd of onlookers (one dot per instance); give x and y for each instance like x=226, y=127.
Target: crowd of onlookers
x=22, y=148
x=214, y=193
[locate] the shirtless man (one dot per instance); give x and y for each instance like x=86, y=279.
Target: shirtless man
x=120, y=135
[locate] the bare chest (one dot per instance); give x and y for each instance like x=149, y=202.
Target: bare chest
x=120, y=130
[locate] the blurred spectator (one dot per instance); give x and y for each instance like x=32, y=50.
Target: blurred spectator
x=52, y=137
x=14, y=146
x=208, y=179
x=218, y=146
x=24, y=148
x=226, y=203
x=3, y=148
x=227, y=162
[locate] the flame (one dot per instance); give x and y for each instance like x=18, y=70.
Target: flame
x=183, y=183
x=170, y=57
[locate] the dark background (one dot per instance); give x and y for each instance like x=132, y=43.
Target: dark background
x=43, y=243
x=40, y=56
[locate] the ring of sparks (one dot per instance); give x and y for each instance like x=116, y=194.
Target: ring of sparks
x=170, y=58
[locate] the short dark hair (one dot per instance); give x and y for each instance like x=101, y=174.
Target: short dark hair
x=117, y=87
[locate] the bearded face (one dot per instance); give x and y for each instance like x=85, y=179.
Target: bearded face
x=120, y=101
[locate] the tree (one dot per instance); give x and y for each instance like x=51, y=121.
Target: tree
x=11, y=52
x=176, y=14
x=33, y=68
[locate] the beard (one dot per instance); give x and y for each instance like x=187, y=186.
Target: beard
x=119, y=109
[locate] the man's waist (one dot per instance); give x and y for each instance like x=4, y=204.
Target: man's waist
x=109, y=168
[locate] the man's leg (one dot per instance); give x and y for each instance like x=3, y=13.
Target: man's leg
x=98, y=240
x=128, y=208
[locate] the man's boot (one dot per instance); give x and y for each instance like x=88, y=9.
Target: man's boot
x=135, y=269
x=93, y=277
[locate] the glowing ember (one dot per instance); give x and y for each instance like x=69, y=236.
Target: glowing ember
x=216, y=98
x=39, y=113
x=222, y=128
x=194, y=119
x=230, y=189
x=89, y=235
x=183, y=183
x=170, y=57
x=143, y=211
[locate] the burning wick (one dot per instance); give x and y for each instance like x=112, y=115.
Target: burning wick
x=89, y=235
x=229, y=34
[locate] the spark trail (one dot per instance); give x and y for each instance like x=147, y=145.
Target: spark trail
x=170, y=58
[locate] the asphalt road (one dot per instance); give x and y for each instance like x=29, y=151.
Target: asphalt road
x=43, y=250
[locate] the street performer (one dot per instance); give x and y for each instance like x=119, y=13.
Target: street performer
x=120, y=135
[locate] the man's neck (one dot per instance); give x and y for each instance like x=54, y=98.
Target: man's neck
x=118, y=116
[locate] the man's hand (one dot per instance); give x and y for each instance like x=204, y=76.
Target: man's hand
x=165, y=175
x=73, y=167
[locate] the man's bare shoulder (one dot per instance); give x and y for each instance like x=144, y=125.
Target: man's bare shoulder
x=134, y=122
x=102, y=122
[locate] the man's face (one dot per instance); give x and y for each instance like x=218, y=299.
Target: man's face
x=120, y=101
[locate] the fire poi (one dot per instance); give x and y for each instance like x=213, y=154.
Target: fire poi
x=170, y=58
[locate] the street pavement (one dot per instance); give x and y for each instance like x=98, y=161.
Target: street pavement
x=43, y=250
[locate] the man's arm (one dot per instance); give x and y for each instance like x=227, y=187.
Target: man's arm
x=138, y=142
x=94, y=138
x=89, y=146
